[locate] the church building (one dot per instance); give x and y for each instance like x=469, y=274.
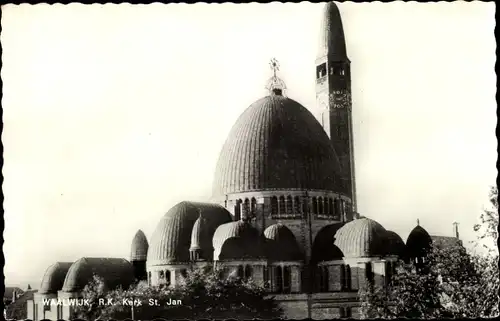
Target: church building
x=283, y=210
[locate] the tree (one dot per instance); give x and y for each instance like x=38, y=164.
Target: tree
x=484, y=297
x=412, y=293
x=208, y=295
x=135, y=303
x=488, y=226
x=454, y=283
x=204, y=295
x=93, y=292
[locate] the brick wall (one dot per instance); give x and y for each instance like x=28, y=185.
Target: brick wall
x=334, y=278
x=354, y=277
x=325, y=313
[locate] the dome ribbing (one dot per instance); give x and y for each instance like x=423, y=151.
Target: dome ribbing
x=362, y=238
x=276, y=144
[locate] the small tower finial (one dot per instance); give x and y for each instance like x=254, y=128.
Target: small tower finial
x=418, y=222
x=275, y=85
x=455, y=224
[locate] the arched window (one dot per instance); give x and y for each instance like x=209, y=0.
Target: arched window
x=248, y=272
x=326, y=208
x=281, y=205
x=167, y=277
x=237, y=210
x=336, y=205
x=346, y=277
x=289, y=205
x=320, y=205
x=296, y=205
x=266, y=277
x=274, y=205
x=279, y=279
x=246, y=209
x=330, y=206
x=348, y=210
x=342, y=278
x=183, y=273
x=287, y=275
x=253, y=209
x=241, y=272
x=306, y=207
x=314, y=205
x=161, y=275
x=321, y=71
x=338, y=70
x=323, y=278
x=149, y=278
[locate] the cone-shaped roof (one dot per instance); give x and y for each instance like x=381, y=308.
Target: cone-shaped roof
x=139, y=249
x=332, y=39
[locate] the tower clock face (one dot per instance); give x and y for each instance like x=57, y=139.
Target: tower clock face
x=341, y=99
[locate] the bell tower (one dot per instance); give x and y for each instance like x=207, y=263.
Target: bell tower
x=333, y=94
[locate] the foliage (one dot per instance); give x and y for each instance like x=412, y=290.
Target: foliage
x=135, y=303
x=412, y=293
x=93, y=292
x=488, y=226
x=203, y=293
x=453, y=283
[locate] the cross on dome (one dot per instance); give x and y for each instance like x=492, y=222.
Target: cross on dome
x=275, y=85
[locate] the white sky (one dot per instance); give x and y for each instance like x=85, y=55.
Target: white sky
x=114, y=113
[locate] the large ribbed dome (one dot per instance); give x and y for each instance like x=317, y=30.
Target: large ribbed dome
x=113, y=271
x=53, y=278
x=282, y=244
x=139, y=248
x=238, y=240
x=276, y=144
x=362, y=238
x=171, y=239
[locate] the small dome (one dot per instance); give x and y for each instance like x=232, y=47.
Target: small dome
x=198, y=234
x=204, y=229
x=238, y=240
x=171, y=239
x=396, y=246
x=114, y=272
x=324, y=248
x=419, y=242
x=362, y=238
x=276, y=143
x=282, y=244
x=139, y=249
x=53, y=278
